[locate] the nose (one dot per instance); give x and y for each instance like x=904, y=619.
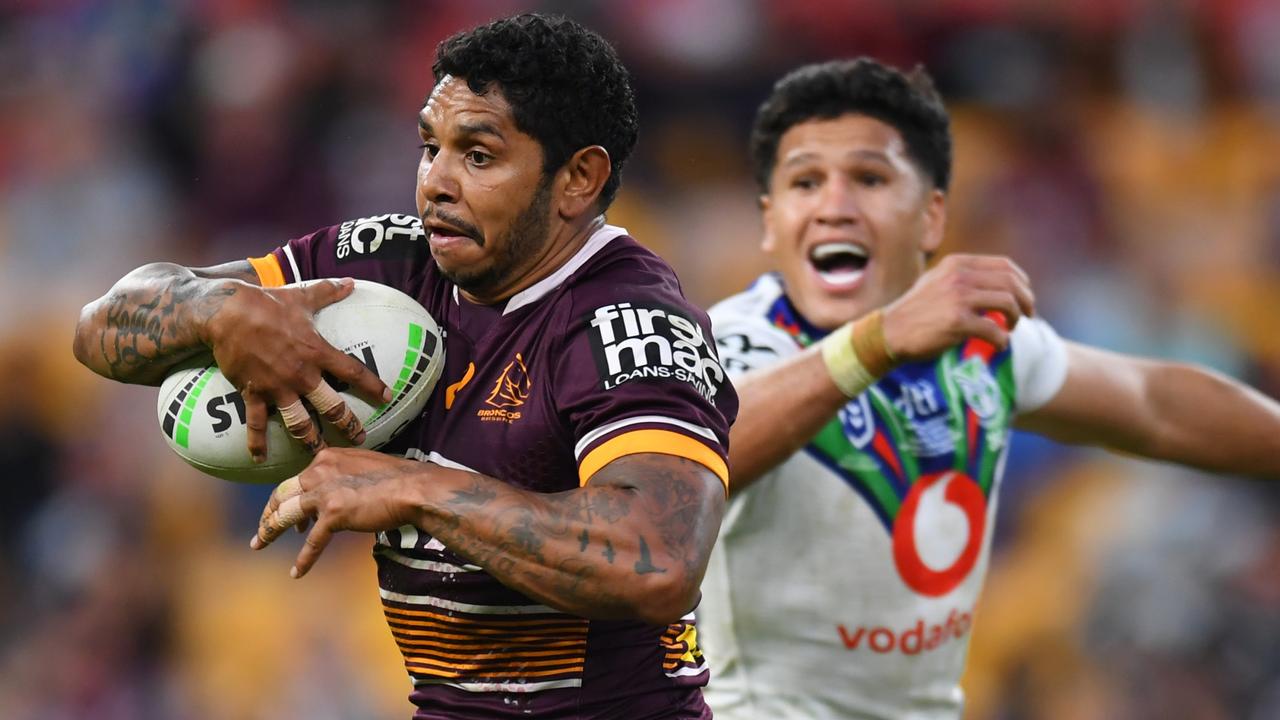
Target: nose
x=436, y=180
x=838, y=204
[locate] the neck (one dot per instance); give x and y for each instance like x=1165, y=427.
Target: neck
x=565, y=242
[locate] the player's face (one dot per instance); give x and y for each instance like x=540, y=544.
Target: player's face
x=481, y=191
x=848, y=217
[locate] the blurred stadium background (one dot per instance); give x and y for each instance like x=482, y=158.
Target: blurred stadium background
x=1126, y=152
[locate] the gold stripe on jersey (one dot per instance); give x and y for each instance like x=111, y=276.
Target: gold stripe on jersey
x=499, y=621
x=664, y=442
x=680, y=642
x=517, y=674
x=511, y=647
x=268, y=269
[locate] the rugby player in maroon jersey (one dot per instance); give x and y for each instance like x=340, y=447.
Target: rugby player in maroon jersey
x=542, y=529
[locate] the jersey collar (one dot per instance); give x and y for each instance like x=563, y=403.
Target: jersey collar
x=601, y=236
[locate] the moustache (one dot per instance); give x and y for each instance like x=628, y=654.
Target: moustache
x=455, y=222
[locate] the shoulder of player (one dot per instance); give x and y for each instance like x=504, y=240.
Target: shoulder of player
x=750, y=306
x=624, y=271
x=625, y=276
x=390, y=236
x=390, y=248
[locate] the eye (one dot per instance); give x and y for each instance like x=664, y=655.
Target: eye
x=804, y=182
x=431, y=149
x=871, y=179
x=479, y=158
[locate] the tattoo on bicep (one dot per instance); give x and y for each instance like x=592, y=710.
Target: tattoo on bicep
x=608, y=553
x=645, y=564
x=583, y=539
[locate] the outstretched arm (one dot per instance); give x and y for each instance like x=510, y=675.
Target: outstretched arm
x=632, y=543
x=1163, y=411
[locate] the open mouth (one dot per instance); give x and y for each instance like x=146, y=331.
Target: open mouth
x=839, y=263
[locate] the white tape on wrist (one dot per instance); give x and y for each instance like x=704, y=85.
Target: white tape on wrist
x=846, y=370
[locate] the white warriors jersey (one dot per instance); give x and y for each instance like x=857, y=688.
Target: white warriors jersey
x=843, y=582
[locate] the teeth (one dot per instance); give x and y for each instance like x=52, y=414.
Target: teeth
x=827, y=250
x=841, y=277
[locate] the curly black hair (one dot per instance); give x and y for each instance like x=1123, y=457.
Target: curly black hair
x=906, y=101
x=565, y=84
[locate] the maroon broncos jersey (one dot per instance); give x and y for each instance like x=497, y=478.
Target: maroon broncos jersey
x=603, y=358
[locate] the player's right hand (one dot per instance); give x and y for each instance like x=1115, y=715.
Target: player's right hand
x=953, y=301
x=265, y=342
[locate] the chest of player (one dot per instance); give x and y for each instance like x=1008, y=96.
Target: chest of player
x=494, y=411
x=953, y=413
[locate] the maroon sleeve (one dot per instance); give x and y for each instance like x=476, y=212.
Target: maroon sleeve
x=640, y=374
x=383, y=248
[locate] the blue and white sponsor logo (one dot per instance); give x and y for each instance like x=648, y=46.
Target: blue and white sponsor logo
x=929, y=431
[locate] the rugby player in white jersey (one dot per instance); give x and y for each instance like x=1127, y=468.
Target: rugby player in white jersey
x=877, y=401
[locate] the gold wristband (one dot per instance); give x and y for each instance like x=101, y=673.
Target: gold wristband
x=856, y=355
x=869, y=344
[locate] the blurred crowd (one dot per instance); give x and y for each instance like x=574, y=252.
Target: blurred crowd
x=1125, y=152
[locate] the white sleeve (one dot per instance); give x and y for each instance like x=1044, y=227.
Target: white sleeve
x=748, y=343
x=1039, y=363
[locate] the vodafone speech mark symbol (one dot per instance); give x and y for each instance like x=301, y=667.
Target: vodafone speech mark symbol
x=933, y=511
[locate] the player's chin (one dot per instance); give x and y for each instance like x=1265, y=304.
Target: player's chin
x=473, y=278
x=829, y=311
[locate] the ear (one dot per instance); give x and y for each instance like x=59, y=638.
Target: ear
x=580, y=180
x=935, y=221
x=768, y=242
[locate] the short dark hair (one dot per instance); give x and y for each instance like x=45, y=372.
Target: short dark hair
x=565, y=84
x=906, y=101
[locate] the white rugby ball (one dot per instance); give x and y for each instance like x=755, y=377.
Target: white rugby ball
x=202, y=415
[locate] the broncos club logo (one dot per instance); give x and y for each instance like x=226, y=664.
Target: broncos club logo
x=509, y=393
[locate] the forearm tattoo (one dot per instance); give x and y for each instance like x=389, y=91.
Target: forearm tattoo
x=143, y=325
x=578, y=549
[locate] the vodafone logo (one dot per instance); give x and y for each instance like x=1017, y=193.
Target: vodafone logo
x=938, y=532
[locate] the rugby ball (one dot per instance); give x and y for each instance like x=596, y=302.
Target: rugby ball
x=202, y=415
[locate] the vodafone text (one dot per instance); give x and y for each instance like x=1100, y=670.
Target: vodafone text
x=918, y=638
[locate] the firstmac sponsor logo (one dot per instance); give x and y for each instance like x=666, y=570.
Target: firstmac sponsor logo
x=653, y=342
x=366, y=236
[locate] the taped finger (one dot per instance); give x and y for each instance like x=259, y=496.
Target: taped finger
x=287, y=489
x=333, y=408
x=298, y=422
x=282, y=492
x=289, y=513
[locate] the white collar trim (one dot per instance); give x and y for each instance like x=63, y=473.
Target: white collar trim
x=600, y=237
